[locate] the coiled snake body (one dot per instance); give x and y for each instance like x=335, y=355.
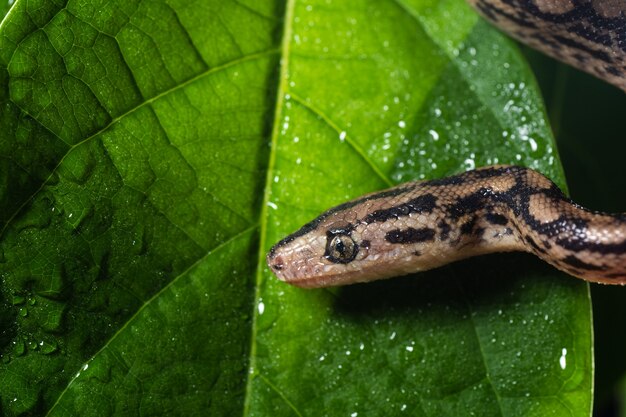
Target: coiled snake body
x=422, y=225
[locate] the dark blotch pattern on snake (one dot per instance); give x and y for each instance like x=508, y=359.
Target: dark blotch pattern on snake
x=422, y=225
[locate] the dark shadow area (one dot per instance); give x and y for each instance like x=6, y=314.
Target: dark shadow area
x=8, y=327
x=482, y=281
x=587, y=116
x=271, y=101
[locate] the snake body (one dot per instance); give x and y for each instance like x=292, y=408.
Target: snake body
x=587, y=34
x=421, y=225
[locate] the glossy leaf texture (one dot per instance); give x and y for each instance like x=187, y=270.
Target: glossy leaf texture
x=153, y=152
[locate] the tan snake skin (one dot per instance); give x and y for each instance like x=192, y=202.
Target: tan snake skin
x=422, y=225
x=587, y=34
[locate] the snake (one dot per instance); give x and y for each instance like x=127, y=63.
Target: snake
x=421, y=225
x=587, y=34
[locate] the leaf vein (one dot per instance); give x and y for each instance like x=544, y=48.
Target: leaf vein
x=263, y=212
x=209, y=253
x=357, y=148
x=209, y=72
x=280, y=394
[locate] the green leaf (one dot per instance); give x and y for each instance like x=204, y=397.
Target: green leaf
x=153, y=151
x=4, y=8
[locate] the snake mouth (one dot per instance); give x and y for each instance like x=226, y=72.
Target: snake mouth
x=324, y=279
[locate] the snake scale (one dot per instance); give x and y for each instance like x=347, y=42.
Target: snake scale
x=422, y=225
x=587, y=34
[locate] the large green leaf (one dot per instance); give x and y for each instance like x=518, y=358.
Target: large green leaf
x=139, y=196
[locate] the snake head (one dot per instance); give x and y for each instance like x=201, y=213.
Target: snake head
x=354, y=242
x=316, y=258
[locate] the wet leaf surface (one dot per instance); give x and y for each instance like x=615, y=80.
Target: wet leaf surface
x=152, y=153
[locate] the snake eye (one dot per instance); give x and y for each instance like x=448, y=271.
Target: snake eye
x=340, y=248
